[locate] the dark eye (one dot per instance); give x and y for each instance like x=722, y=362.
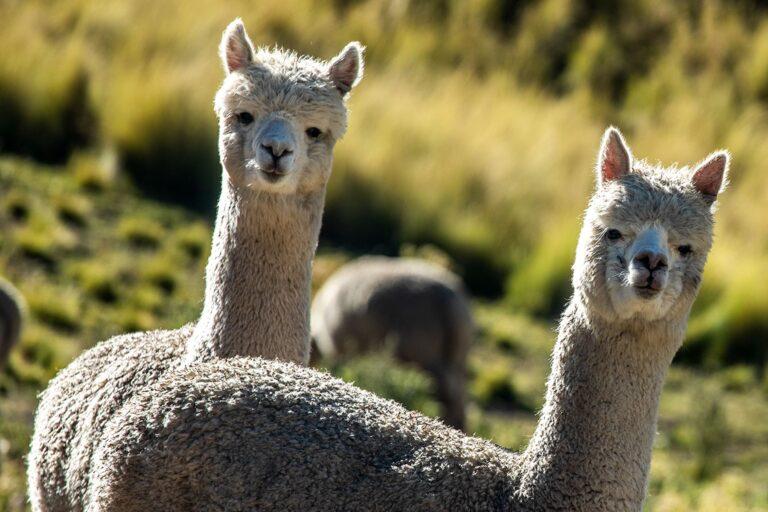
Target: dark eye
x=613, y=234
x=314, y=132
x=245, y=118
x=684, y=250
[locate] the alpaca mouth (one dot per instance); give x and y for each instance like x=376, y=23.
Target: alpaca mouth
x=273, y=174
x=272, y=177
x=647, y=291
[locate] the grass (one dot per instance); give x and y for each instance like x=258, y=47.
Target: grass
x=498, y=113
x=711, y=446
x=471, y=142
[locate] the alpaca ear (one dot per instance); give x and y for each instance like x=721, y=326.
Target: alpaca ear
x=615, y=159
x=236, y=50
x=346, y=69
x=711, y=176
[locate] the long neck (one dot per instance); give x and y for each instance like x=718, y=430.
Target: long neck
x=258, y=277
x=592, y=447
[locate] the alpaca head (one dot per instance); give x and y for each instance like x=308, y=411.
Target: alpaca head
x=646, y=234
x=280, y=114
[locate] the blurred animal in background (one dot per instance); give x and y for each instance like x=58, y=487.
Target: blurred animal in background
x=416, y=308
x=280, y=115
x=270, y=435
x=11, y=315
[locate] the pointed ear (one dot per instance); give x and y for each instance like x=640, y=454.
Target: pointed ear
x=346, y=69
x=711, y=176
x=615, y=159
x=236, y=50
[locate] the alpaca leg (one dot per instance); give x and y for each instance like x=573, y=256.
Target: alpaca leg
x=451, y=395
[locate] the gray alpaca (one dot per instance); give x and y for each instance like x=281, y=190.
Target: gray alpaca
x=10, y=319
x=279, y=117
x=420, y=308
x=253, y=434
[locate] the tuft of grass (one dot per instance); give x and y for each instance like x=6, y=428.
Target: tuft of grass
x=492, y=387
x=194, y=240
x=94, y=172
x=162, y=273
x=141, y=232
x=44, y=242
x=73, y=210
x=17, y=206
x=57, y=307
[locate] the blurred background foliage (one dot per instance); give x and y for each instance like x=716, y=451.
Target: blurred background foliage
x=473, y=134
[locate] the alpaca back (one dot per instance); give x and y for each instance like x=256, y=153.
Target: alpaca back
x=417, y=309
x=267, y=435
x=80, y=401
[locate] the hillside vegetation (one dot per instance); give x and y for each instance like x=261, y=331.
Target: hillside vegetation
x=495, y=108
x=473, y=134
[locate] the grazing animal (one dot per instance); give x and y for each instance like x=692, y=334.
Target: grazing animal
x=280, y=116
x=10, y=319
x=418, y=307
x=254, y=434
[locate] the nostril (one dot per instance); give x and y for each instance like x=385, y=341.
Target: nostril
x=651, y=260
x=268, y=149
x=276, y=150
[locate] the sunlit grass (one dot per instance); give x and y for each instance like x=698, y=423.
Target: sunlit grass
x=473, y=133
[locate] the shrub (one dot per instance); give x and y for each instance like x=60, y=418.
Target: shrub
x=166, y=144
x=50, y=114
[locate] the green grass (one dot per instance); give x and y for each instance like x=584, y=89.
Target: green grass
x=498, y=113
x=471, y=142
x=712, y=443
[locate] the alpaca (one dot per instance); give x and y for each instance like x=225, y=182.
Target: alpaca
x=10, y=319
x=255, y=434
x=419, y=307
x=280, y=116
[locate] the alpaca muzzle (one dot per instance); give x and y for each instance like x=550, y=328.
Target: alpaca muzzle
x=275, y=149
x=649, y=266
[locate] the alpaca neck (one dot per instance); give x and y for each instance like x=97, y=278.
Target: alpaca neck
x=258, y=277
x=592, y=447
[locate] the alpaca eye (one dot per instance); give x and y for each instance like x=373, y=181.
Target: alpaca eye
x=245, y=118
x=684, y=250
x=314, y=132
x=613, y=234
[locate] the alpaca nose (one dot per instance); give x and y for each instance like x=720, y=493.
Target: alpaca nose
x=651, y=260
x=276, y=148
x=276, y=144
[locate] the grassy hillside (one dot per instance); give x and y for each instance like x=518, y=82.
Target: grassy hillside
x=93, y=260
x=474, y=133
x=496, y=110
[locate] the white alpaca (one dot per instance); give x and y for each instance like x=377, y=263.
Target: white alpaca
x=279, y=116
x=11, y=307
x=253, y=434
x=420, y=308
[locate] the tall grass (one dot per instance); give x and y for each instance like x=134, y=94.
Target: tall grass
x=475, y=129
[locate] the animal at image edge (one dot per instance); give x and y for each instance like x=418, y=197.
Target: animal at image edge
x=11, y=319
